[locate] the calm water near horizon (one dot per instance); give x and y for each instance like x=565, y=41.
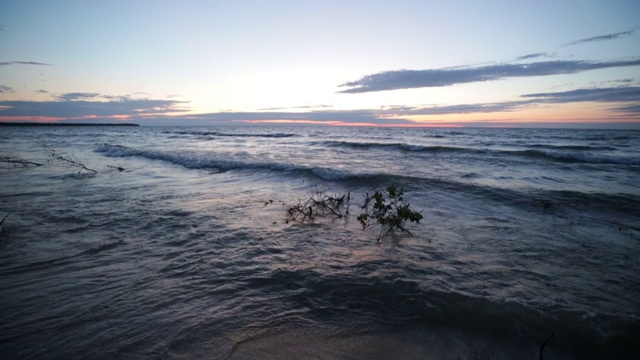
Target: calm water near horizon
x=186, y=253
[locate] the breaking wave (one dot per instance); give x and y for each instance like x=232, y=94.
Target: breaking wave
x=567, y=154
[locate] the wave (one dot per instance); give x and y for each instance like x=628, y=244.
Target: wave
x=223, y=134
x=558, y=153
x=571, y=147
x=396, y=146
x=198, y=162
x=606, y=138
x=515, y=197
x=586, y=158
x=194, y=161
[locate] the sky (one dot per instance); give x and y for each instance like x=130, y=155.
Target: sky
x=543, y=63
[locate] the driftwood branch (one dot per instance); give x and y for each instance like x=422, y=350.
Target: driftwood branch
x=63, y=158
x=320, y=204
x=17, y=160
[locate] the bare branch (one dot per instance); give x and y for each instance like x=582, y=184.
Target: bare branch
x=53, y=153
x=320, y=204
x=17, y=160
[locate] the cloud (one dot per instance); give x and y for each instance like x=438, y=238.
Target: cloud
x=454, y=109
x=314, y=117
x=81, y=108
x=352, y=116
x=306, y=107
x=312, y=107
x=273, y=108
x=5, y=89
x=7, y=63
x=531, y=56
x=629, y=95
x=42, y=91
x=74, y=96
x=625, y=81
x=611, y=94
x=406, y=79
x=385, y=116
x=392, y=115
x=629, y=109
x=87, y=106
x=603, y=95
x=603, y=37
x=1, y=27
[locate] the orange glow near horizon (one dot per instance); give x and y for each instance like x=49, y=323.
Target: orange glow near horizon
x=39, y=119
x=559, y=113
x=552, y=114
x=51, y=119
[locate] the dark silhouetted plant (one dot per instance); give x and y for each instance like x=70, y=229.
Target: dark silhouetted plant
x=319, y=204
x=390, y=211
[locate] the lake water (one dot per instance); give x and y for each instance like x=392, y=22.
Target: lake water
x=186, y=253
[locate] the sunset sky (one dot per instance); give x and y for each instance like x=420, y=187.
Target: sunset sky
x=400, y=63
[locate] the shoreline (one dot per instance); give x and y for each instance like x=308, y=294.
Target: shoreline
x=64, y=124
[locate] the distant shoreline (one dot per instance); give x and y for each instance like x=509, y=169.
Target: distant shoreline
x=63, y=124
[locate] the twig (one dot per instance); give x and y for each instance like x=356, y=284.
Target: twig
x=17, y=160
x=541, y=353
x=116, y=167
x=320, y=204
x=2, y=222
x=60, y=157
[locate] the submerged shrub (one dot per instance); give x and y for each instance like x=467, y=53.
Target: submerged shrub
x=390, y=211
x=319, y=204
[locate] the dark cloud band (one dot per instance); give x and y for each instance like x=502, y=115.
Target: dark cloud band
x=7, y=63
x=5, y=89
x=407, y=79
x=611, y=94
x=77, y=108
x=603, y=37
x=76, y=96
